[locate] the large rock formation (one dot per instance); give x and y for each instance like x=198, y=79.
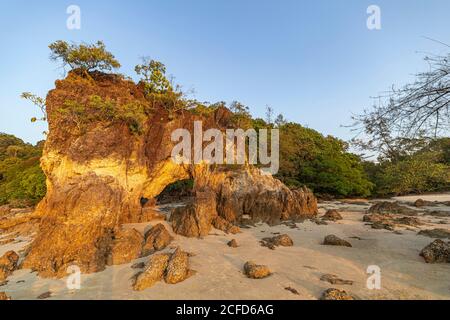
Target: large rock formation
x=108, y=147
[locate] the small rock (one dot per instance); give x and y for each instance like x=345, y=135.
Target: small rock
x=156, y=239
x=4, y=297
x=178, y=267
x=45, y=295
x=153, y=273
x=233, y=244
x=383, y=225
x=333, y=279
x=319, y=222
x=436, y=252
x=254, y=271
x=336, y=294
x=332, y=240
x=139, y=265
x=386, y=207
x=332, y=215
x=281, y=240
x=8, y=264
x=294, y=291
x=436, y=233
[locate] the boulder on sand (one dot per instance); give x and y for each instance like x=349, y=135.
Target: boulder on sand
x=8, y=264
x=177, y=267
x=281, y=240
x=387, y=207
x=332, y=240
x=436, y=252
x=332, y=215
x=255, y=271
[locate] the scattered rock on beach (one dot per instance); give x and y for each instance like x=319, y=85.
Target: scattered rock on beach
x=4, y=297
x=336, y=294
x=225, y=226
x=177, y=267
x=386, y=207
x=153, y=273
x=436, y=233
x=156, y=239
x=436, y=252
x=233, y=243
x=332, y=215
x=332, y=240
x=8, y=264
x=333, y=279
x=44, y=295
x=294, y=291
x=254, y=271
x=281, y=240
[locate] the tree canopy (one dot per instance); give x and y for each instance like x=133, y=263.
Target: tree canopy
x=87, y=57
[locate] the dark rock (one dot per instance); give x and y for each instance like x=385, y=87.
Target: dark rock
x=332, y=240
x=254, y=271
x=44, y=295
x=281, y=240
x=332, y=215
x=436, y=252
x=336, y=294
x=436, y=233
x=139, y=265
x=294, y=291
x=233, y=243
x=386, y=207
x=333, y=279
x=8, y=264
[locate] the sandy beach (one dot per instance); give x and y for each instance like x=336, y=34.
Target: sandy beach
x=404, y=274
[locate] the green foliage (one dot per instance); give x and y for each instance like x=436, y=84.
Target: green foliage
x=97, y=109
x=321, y=163
x=38, y=102
x=425, y=170
x=153, y=75
x=86, y=57
x=22, y=181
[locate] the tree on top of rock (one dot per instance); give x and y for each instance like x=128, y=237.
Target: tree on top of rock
x=86, y=57
x=153, y=75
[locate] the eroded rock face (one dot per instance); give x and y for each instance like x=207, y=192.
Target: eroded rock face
x=126, y=247
x=196, y=218
x=98, y=172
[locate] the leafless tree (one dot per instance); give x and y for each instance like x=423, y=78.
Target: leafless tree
x=416, y=111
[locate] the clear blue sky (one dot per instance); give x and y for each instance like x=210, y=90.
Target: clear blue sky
x=314, y=61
